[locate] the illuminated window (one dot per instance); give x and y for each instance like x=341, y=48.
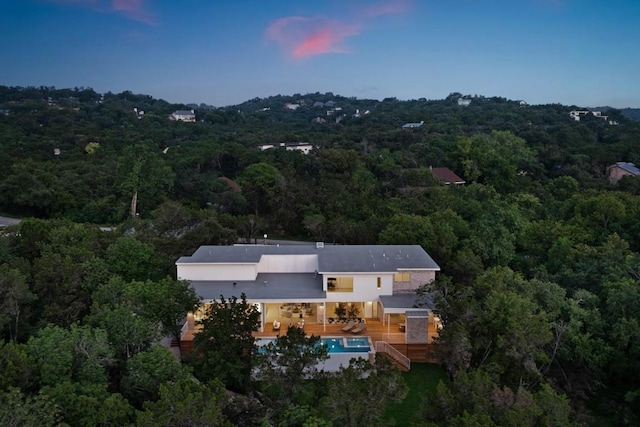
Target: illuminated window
x=402, y=277
x=379, y=282
x=340, y=284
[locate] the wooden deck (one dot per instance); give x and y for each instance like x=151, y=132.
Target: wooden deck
x=374, y=329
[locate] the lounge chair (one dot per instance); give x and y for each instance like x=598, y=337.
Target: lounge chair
x=349, y=326
x=359, y=328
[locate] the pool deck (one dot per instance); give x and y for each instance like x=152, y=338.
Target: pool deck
x=374, y=329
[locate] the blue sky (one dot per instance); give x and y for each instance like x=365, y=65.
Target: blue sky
x=573, y=52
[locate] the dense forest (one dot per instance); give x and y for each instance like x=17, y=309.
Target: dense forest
x=539, y=292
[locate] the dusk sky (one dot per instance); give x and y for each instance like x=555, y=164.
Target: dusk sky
x=573, y=52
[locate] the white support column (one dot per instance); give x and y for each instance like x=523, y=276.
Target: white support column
x=388, y=323
x=324, y=316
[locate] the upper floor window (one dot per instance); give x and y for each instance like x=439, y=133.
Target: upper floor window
x=340, y=284
x=379, y=282
x=402, y=277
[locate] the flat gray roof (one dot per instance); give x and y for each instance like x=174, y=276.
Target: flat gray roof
x=267, y=286
x=374, y=258
x=417, y=313
x=242, y=254
x=331, y=258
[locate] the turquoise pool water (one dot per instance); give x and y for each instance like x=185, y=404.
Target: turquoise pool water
x=336, y=344
x=347, y=344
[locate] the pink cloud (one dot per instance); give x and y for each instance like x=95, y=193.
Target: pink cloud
x=132, y=9
x=325, y=40
x=304, y=37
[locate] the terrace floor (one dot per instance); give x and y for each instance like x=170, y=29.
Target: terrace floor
x=389, y=333
x=374, y=329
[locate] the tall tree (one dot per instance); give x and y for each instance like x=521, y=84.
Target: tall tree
x=223, y=348
x=145, y=177
x=286, y=366
x=14, y=295
x=186, y=403
x=359, y=394
x=165, y=301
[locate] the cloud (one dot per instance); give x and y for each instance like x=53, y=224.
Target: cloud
x=396, y=7
x=133, y=9
x=304, y=37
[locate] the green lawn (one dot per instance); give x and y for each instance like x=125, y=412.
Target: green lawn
x=421, y=378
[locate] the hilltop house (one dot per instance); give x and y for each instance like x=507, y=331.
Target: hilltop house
x=183, y=116
x=617, y=171
x=305, y=147
x=307, y=282
x=578, y=114
x=412, y=125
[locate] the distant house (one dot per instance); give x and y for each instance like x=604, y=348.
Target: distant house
x=318, y=120
x=305, y=147
x=139, y=113
x=617, y=171
x=464, y=102
x=292, y=107
x=578, y=114
x=412, y=125
x=446, y=176
x=183, y=116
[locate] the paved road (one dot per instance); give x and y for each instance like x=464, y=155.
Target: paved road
x=4, y=221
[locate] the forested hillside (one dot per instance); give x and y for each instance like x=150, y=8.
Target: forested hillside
x=539, y=292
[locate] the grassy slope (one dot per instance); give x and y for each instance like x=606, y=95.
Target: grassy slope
x=422, y=377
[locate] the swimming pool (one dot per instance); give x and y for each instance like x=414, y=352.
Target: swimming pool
x=341, y=351
x=347, y=344
x=336, y=344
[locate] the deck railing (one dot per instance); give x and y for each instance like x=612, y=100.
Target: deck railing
x=397, y=356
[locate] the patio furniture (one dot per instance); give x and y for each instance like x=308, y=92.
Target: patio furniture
x=359, y=328
x=349, y=326
x=276, y=325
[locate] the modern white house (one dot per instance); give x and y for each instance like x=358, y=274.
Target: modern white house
x=307, y=282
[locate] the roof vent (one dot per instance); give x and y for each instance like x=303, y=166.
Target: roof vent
x=319, y=245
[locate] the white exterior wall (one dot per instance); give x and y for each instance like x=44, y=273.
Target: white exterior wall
x=237, y=272
x=365, y=287
x=288, y=264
